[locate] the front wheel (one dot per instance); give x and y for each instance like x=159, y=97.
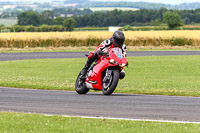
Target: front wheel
x=109, y=86
x=80, y=86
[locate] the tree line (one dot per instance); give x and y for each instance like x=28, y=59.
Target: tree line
x=111, y=18
x=64, y=12
x=45, y=18
x=135, y=18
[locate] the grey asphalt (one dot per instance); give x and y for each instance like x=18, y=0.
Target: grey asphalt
x=97, y=105
x=22, y=56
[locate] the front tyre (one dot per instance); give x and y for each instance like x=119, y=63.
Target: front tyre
x=80, y=86
x=109, y=87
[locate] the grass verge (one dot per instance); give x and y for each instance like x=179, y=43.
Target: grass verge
x=18, y=123
x=92, y=48
x=160, y=75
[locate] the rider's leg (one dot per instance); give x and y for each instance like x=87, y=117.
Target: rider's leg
x=91, y=58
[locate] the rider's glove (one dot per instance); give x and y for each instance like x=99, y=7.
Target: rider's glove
x=99, y=52
x=127, y=64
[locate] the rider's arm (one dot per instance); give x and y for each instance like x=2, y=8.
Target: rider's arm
x=105, y=44
x=124, y=50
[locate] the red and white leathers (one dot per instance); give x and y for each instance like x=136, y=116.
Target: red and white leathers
x=107, y=44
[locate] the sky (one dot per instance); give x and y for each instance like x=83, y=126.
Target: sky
x=151, y=1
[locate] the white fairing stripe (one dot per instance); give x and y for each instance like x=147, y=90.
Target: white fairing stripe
x=88, y=85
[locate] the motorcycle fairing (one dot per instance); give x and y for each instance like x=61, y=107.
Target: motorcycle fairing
x=96, y=74
x=94, y=80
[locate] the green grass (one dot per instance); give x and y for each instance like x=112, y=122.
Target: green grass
x=48, y=49
x=23, y=123
x=8, y=22
x=161, y=75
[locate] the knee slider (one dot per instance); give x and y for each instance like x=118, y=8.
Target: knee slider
x=121, y=75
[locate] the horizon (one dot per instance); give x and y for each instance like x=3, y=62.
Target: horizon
x=172, y=2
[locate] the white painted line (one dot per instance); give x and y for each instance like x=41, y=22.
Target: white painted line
x=129, y=119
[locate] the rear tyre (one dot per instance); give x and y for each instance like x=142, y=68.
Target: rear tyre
x=108, y=88
x=80, y=86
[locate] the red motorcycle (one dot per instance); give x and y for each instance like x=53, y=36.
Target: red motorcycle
x=105, y=74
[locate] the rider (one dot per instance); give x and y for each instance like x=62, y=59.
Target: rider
x=117, y=40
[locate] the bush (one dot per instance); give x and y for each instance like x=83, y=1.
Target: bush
x=92, y=29
x=127, y=28
x=18, y=28
x=181, y=42
x=146, y=28
x=30, y=29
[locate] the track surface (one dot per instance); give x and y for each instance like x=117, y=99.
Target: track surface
x=22, y=56
x=95, y=104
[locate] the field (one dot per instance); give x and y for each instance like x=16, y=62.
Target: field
x=112, y=8
x=18, y=123
x=8, y=22
x=161, y=75
x=134, y=38
x=102, y=34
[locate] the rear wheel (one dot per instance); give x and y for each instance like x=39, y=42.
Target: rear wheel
x=109, y=86
x=80, y=86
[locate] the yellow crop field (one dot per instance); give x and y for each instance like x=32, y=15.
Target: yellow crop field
x=195, y=34
x=133, y=38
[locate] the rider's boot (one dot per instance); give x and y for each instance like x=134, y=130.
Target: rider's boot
x=91, y=58
x=86, y=67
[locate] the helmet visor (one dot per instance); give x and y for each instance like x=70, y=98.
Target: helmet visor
x=118, y=42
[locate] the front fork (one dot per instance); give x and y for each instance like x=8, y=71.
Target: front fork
x=107, y=76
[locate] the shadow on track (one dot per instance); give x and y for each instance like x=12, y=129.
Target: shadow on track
x=113, y=95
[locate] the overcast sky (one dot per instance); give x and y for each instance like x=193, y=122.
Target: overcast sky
x=153, y=1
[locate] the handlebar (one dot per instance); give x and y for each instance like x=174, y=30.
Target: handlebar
x=99, y=52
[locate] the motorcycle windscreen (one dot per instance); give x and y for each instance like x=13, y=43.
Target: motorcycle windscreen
x=118, y=52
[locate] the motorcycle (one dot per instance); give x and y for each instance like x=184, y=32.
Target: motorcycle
x=105, y=74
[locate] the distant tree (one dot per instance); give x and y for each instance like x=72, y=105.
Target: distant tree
x=47, y=17
x=69, y=24
x=59, y=11
x=172, y=19
x=161, y=12
x=28, y=18
x=59, y=20
x=87, y=11
x=156, y=22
